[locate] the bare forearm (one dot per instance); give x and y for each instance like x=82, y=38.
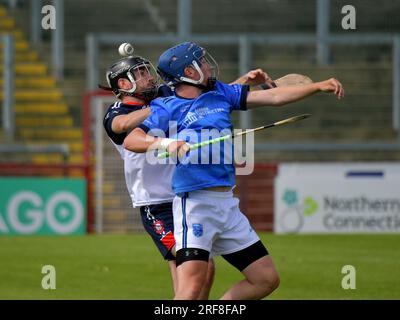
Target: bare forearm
x=128, y=122
x=138, y=141
x=136, y=118
x=280, y=96
x=284, y=95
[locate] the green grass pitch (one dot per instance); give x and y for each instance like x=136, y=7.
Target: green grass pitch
x=130, y=267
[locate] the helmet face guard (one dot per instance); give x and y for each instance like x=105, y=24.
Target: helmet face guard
x=201, y=56
x=140, y=73
x=141, y=76
x=172, y=64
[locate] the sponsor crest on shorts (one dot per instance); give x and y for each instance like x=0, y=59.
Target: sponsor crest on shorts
x=197, y=229
x=158, y=226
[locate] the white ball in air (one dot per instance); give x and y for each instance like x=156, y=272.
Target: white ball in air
x=125, y=49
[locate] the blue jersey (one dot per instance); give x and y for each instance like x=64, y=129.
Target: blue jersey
x=211, y=110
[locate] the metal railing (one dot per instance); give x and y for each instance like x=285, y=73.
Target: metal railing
x=8, y=112
x=57, y=35
x=62, y=149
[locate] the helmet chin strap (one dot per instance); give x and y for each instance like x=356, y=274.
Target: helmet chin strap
x=132, y=81
x=145, y=95
x=197, y=83
x=210, y=84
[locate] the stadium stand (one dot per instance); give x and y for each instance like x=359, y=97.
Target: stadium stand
x=42, y=114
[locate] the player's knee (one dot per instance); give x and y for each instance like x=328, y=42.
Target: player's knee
x=275, y=281
x=269, y=281
x=189, y=292
x=266, y=282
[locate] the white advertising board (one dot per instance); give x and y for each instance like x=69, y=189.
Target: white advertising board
x=337, y=198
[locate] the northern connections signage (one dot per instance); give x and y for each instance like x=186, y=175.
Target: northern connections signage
x=333, y=198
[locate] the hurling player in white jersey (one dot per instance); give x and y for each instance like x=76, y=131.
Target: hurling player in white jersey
x=207, y=218
x=134, y=81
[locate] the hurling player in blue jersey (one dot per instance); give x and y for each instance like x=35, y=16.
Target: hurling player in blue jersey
x=135, y=83
x=207, y=218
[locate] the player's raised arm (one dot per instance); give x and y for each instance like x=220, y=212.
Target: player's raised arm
x=127, y=122
x=284, y=95
x=254, y=78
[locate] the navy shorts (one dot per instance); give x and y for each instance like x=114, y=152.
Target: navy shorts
x=158, y=221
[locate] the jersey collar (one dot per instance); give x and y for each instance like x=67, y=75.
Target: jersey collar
x=134, y=104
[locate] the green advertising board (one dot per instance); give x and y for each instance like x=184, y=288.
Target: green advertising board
x=42, y=206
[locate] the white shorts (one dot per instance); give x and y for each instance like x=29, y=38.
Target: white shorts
x=211, y=221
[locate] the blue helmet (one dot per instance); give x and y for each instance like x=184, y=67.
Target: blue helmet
x=172, y=63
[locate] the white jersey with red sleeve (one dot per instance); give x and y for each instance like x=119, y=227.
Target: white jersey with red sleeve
x=147, y=183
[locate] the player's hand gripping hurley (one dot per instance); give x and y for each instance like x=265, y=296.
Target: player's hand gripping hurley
x=234, y=135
